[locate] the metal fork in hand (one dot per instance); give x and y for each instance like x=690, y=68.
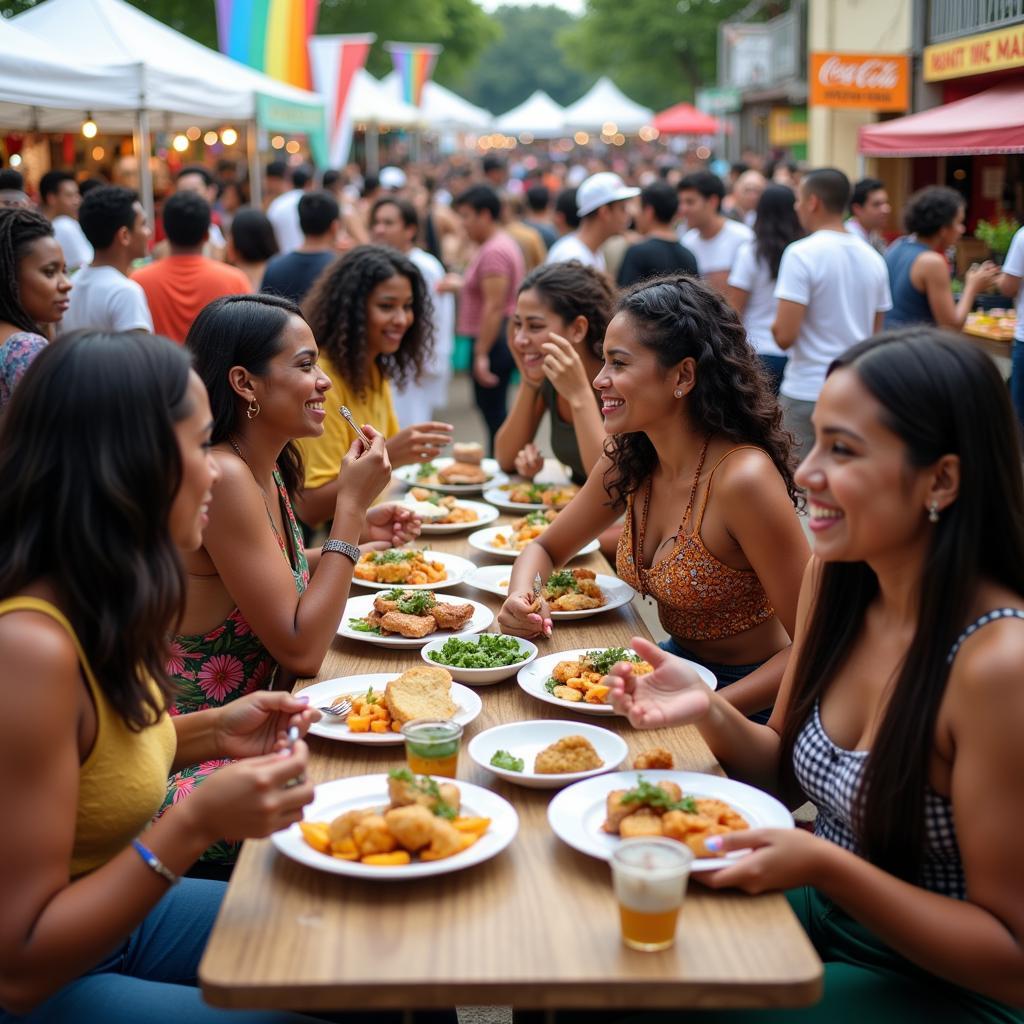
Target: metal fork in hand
x=338, y=708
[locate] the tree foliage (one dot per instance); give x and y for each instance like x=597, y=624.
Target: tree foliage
x=526, y=57
x=657, y=51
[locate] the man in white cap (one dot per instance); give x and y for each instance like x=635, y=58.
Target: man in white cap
x=392, y=179
x=601, y=205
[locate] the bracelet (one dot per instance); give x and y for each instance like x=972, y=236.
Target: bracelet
x=154, y=863
x=342, y=547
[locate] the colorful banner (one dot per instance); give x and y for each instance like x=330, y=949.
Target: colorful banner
x=414, y=63
x=975, y=55
x=865, y=81
x=269, y=35
x=335, y=61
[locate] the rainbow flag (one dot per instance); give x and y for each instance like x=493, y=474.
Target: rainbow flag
x=269, y=35
x=414, y=63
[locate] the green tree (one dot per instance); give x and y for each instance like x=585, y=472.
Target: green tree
x=657, y=51
x=526, y=57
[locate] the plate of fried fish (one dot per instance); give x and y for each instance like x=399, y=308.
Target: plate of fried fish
x=410, y=618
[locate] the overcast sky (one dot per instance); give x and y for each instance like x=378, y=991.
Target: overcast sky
x=572, y=6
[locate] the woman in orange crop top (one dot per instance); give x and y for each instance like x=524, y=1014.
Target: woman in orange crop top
x=698, y=461
x=105, y=474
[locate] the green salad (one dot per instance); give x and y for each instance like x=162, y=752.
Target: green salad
x=489, y=650
x=503, y=759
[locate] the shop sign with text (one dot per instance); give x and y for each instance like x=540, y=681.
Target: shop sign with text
x=866, y=81
x=975, y=55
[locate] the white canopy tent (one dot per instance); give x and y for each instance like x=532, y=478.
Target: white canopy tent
x=373, y=103
x=442, y=109
x=605, y=103
x=539, y=115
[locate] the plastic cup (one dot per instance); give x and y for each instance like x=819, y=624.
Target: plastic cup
x=432, y=747
x=650, y=876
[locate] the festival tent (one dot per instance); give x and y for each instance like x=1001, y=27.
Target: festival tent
x=987, y=122
x=685, y=119
x=371, y=102
x=605, y=103
x=442, y=109
x=539, y=115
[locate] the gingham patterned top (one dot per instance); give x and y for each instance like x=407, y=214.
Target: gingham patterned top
x=830, y=776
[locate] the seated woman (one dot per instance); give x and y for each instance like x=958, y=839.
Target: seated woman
x=258, y=604
x=34, y=287
x=918, y=271
x=371, y=317
x=94, y=926
x=559, y=323
x=901, y=712
x=714, y=537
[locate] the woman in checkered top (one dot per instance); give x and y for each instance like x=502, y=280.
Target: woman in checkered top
x=901, y=713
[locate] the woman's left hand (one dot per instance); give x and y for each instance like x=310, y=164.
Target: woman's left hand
x=780, y=858
x=564, y=368
x=258, y=723
x=389, y=526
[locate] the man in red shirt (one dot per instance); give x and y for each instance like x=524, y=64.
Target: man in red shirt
x=180, y=285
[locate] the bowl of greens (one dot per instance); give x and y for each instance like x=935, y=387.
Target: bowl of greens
x=479, y=659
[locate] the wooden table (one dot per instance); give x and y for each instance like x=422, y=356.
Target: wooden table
x=536, y=926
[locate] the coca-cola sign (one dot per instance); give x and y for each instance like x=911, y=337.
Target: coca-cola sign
x=867, y=81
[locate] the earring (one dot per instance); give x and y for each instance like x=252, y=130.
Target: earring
x=933, y=512
x=678, y=393
x=254, y=409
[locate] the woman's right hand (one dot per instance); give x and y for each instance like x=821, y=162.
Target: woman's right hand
x=365, y=472
x=519, y=616
x=529, y=461
x=982, y=276
x=252, y=798
x=673, y=694
x=419, y=443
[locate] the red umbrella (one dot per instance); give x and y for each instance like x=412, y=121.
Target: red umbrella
x=685, y=119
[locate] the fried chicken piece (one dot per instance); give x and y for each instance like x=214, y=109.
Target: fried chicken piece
x=616, y=810
x=584, y=574
x=452, y=616
x=462, y=473
x=696, y=841
x=722, y=814
x=405, y=794
x=681, y=824
x=656, y=757
x=412, y=626
x=575, y=603
x=450, y=795
x=567, y=693
x=393, y=572
x=382, y=605
x=371, y=835
x=640, y=823
x=673, y=789
x=445, y=839
x=342, y=826
x=412, y=826
x=569, y=754
x=566, y=670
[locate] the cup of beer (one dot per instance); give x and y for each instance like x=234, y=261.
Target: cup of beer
x=432, y=747
x=650, y=876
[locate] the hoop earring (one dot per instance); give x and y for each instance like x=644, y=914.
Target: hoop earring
x=933, y=512
x=678, y=393
x=253, y=410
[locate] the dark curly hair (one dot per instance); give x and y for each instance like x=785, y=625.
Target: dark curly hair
x=19, y=228
x=932, y=209
x=569, y=289
x=679, y=317
x=336, y=310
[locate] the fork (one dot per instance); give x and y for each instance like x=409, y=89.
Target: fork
x=338, y=708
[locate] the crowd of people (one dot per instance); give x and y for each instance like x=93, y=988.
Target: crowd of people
x=775, y=441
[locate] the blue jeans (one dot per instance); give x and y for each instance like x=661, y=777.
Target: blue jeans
x=725, y=674
x=773, y=366
x=1017, y=379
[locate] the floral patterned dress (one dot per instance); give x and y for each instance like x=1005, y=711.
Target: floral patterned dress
x=225, y=664
x=16, y=353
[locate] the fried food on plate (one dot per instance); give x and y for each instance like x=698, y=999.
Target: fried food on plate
x=421, y=692
x=656, y=757
x=411, y=626
x=413, y=614
x=585, y=674
x=399, y=566
x=573, y=590
x=569, y=754
x=452, y=511
x=462, y=473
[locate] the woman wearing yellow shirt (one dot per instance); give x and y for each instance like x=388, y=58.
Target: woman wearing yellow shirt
x=371, y=317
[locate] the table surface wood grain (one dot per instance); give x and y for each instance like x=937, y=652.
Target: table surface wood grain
x=536, y=926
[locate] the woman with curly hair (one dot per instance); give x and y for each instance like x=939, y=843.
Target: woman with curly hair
x=701, y=467
x=918, y=271
x=371, y=316
x=34, y=286
x=561, y=314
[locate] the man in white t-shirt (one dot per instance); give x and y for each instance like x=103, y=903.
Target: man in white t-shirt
x=59, y=200
x=395, y=222
x=870, y=210
x=1011, y=284
x=713, y=238
x=104, y=297
x=832, y=291
x=601, y=207
x=283, y=212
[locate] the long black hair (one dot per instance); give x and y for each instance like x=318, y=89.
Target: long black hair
x=776, y=226
x=940, y=396
x=336, y=309
x=679, y=317
x=89, y=468
x=241, y=330
x=19, y=228
x=253, y=235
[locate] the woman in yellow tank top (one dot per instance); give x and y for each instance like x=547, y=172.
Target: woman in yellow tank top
x=698, y=462
x=104, y=475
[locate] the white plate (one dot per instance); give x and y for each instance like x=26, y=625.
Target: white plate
x=532, y=678
x=484, y=514
x=493, y=579
x=468, y=706
x=498, y=495
x=457, y=568
x=409, y=476
x=577, y=813
x=483, y=540
x=528, y=739
x=360, y=607
x=480, y=676
x=333, y=798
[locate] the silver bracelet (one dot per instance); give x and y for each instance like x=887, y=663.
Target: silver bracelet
x=342, y=547
x=154, y=863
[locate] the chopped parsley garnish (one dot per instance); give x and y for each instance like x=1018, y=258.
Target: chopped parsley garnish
x=364, y=626
x=428, y=787
x=537, y=518
x=392, y=556
x=563, y=579
x=646, y=794
x=427, y=469
x=602, y=661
